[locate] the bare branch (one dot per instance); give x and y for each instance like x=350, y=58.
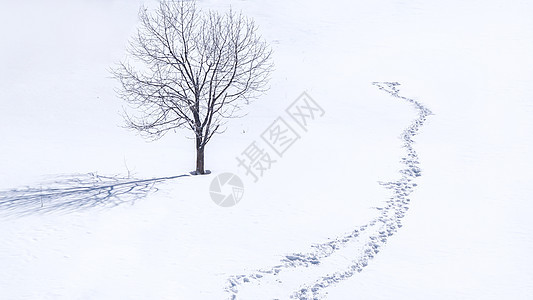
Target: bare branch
x=191, y=69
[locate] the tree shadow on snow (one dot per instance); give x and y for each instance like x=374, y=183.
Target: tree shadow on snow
x=70, y=193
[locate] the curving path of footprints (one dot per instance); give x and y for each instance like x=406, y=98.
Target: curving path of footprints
x=369, y=238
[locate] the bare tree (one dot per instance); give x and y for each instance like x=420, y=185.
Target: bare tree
x=191, y=69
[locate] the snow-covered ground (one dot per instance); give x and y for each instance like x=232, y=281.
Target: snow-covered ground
x=466, y=233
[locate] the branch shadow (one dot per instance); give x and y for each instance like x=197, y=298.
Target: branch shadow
x=77, y=192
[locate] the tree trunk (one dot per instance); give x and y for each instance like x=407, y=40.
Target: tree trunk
x=200, y=160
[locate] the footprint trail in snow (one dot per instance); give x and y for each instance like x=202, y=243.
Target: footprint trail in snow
x=355, y=248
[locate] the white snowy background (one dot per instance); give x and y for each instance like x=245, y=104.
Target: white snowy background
x=467, y=234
